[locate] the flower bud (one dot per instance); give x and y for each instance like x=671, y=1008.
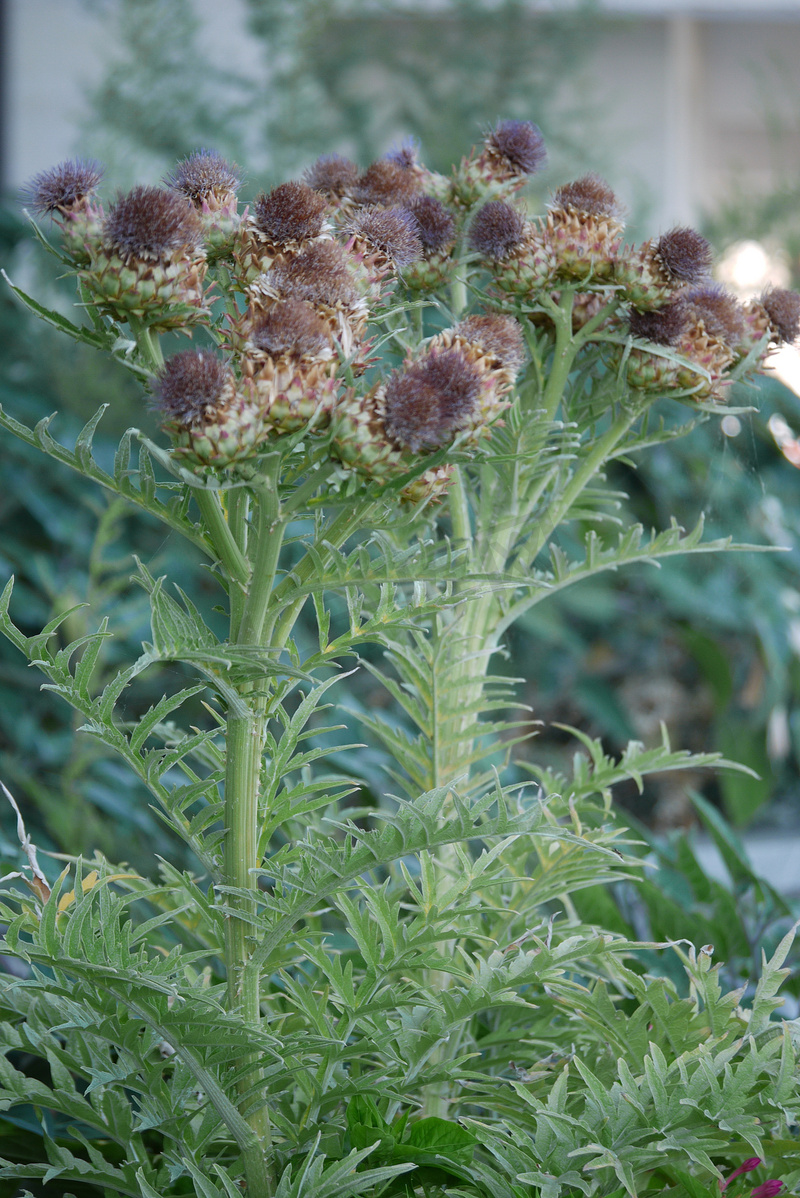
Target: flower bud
x=382, y=241
x=212, y=423
x=652, y=274
x=387, y=183
x=150, y=262
x=583, y=229
x=67, y=192
x=211, y=186
x=774, y=316
x=284, y=222
x=511, y=152
x=290, y=359
x=519, y=255
x=493, y=345
x=436, y=228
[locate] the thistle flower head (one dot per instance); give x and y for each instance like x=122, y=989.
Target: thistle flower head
x=404, y=155
x=393, y=231
x=495, y=334
x=590, y=195
x=435, y=226
x=386, y=183
x=291, y=327
x=496, y=230
x=291, y=212
x=317, y=274
x=719, y=311
x=663, y=326
x=150, y=222
x=331, y=175
x=685, y=255
x=521, y=143
x=190, y=385
x=430, y=400
x=783, y=309
x=62, y=187
x=203, y=174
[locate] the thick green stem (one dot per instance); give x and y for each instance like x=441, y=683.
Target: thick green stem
x=222, y=537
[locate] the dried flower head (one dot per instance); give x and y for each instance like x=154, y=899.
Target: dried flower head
x=189, y=387
x=429, y=401
x=332, y=176
x=62, y=187
x=291, y=212
x=203, y=174
x=783, y=309
x=719, y=311
x=393, y=231
x=590, y=195
x=317, y=274
x=663, y=326
x=291, y=327
x=150, y=222
x=521, y=143
x=386, y=183
x=496, y=230
x=496, y=334
x=405, y=155
x=436, y=227
x=685, y=254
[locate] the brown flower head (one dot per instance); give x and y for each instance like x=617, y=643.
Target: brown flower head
x=63, y=186
x=189, y=387
x=719, y=311
x=685, y=255
x=291, y=212
x=521, y=143
x=386, y=183
x=663, y=326
x=318, y=274
x=152, y=223
x=590, y=195
x=497, y=230
x=429, y=401
x=331, y=175
x=436, y=227
x=291, y=327
x=783, y=309
x=202, y=175
x=393, y=231
x=496, y=334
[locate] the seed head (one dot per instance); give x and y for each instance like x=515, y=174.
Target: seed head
x=685, y=254
x=405, y=155
x=496, y=230
x=429, y=401
x=317, y=274
x=436, y=227
x=386, y=183
x=590, y=195
x=331, y=175
x=204, y=173
x=520, y=142
x=663, y=326
x=189, y=386
x=719, y=311
x=291, y=212
x=291, y=327
x=150, y=222
x=63, y=186
x=393, y=231
x=783, y=309
x=496, y=334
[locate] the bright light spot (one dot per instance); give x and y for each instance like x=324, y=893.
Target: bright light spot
x=748, y=267
x=731, y=426
x=785, y=362
x=784, y=438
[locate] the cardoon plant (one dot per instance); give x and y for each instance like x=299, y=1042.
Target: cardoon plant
x=388, y=424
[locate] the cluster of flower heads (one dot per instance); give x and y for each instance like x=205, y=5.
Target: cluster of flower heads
x=305, y=269
x=662, y=291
